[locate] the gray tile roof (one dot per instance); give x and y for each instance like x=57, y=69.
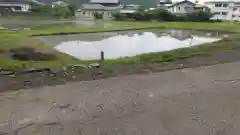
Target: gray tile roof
x=104, y=1
x=98, y=7
x=15, y=1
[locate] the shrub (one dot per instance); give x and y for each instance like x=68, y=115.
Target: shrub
x=198, y=16
x=161, y=14
x=164, y=15
x=118, y=16
x=27, y=53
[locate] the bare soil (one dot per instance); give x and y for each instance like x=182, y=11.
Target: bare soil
x=62, y=76
x=192, y=101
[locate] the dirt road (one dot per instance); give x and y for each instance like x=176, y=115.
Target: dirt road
x=199, y=101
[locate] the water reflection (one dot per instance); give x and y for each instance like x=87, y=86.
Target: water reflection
x=130, y=44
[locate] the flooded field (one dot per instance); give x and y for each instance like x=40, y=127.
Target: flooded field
x=128, y=43
x=38, y=24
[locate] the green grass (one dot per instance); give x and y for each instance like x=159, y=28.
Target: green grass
x=9, y=40
x=131, y=25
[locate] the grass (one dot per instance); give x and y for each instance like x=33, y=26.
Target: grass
x=9, y=40
x=133, y=25
x=212, y=26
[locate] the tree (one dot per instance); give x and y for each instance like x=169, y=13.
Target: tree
x=44, y=9
x=198, y=16
x=72, y=7
x=61, y=11
x=161, y=14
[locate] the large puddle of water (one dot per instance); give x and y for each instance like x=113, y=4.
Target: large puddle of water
x=125, y=44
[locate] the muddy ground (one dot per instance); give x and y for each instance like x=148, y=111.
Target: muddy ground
x=193, y=101
x=62, y=76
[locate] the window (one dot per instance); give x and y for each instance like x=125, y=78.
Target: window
x=233, y=16
x=234, y=9
x=179, y=8
x=84, y=13
x=218, y=5
x=225, y=5
x=224, y=13
x=18, y=8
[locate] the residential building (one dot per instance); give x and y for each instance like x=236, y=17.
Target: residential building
x=182, y=7
x=15, y=5
x=62, y=3
x=164, y=4
x=201, y=7
x=234, y=13
x=129, y=9
x=224, y=9
x=105, y=8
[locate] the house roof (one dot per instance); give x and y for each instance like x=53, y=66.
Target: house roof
x=225, y=1
x=104, y=1
x=200, y=6
x=98, y=7
x=17, y=1
x=181, y=2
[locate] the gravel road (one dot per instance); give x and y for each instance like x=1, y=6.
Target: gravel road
x=197, y=101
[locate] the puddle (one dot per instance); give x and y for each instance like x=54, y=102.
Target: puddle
x=125, y=45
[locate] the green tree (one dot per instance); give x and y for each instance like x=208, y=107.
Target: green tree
x=72, y=7
x=61, y=11
x=161, y=14
x=198, y=16
x=118, y=16
x=45, y=9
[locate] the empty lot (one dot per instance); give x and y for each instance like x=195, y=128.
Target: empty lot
x=199, y=101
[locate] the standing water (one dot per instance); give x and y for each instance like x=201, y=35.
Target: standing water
x=124, y=45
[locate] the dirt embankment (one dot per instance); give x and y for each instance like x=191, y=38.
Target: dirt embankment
x=64, y=75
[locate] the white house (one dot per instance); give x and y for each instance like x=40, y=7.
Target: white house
x=182, y=7
x=234, y=13
x=15, y=5
x=62, y=3
x=129, y=9
x=224, y=9
x=105, y=8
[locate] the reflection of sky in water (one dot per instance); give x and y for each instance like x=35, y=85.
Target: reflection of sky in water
x=124, y=45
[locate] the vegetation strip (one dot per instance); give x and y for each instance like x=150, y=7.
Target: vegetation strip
x=16, y=40
x=130, y=25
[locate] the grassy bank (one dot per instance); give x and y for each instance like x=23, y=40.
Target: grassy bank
x=132, y=25
x=19, y=39
x=11, y=40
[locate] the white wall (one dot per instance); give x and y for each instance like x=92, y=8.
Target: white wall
x=24, y=7
x=89, y=13
x=182, y=8
x=234, y=14
x=223, y=12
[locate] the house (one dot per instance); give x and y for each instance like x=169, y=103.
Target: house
x=234, y=13
x=15, y=5
x=62, y=3
x=104, y=8
x=224, y=9
x=182, y=7
x=164, y=4
x=130, y=9
x=202, y=7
